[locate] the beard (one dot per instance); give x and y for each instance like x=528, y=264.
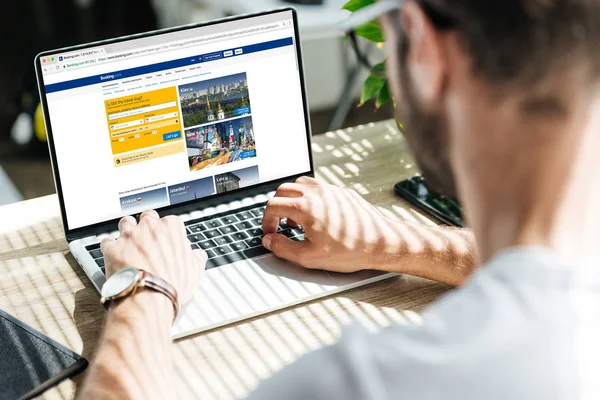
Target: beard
x=427, y=137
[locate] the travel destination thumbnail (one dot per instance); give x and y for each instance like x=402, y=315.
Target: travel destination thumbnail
x=220, y=143
x=150, y=200
x=237, y=179
x=191, y=190
x=214, y=99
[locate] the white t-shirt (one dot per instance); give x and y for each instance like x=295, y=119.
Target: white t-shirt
x=523, y=327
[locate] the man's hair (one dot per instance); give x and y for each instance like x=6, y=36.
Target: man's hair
x=523, y=41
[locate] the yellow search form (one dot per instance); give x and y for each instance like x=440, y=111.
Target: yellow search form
x=142, y=110
x=143, y=120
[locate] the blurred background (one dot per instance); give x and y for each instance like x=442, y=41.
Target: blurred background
x=333, y=77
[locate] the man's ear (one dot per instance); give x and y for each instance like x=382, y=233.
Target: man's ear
x=426, y=62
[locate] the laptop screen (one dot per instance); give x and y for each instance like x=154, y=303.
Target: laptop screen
x=173, y=117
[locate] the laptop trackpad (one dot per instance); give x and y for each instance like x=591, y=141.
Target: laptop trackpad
x=249, y=287
x=289, y=271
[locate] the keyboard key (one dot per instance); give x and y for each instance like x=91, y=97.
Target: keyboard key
x=255, y=241
x=255, y=252
x=287, y=232
x=212, y=234
x=196, y=228
x=224, y=260
x=103, y=270
x=195, y=246
x=226, y=230
x=298, y=238
x=222, y=240
x=258, y=212
x=230, y=219
x=96, y=253
x=92, y=247
x=239, y=236
x=221, y=251
x=236, y=256
x=298, y=231
x=100, y=262
x=257, y=221
x=255, y=232
x=210, y=254
x=283, y=224
x=244, y=215
x=238, y=246
x=244, y=225
x=209, y=244
x=213, y=224
x=196, y=238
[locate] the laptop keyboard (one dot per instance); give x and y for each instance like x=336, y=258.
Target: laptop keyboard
x=226, y=238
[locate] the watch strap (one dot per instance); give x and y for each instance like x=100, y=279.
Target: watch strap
x=158, y=284
x=150, y=281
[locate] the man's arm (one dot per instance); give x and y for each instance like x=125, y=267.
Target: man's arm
x=344, y=233
x=134, y=358
x=441, y=254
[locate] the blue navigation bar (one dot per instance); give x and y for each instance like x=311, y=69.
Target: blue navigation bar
x=182, y=62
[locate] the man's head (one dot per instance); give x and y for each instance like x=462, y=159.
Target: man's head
x=455, y=66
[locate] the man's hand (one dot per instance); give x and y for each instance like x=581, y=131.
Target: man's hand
x=159, y=246
x=342, y=230
x=344, y=233
x=135, y=357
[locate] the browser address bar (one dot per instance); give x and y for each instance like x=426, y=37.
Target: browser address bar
x=177, y=45
x=193, y=42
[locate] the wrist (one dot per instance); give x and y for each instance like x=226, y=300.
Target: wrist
x=145, y=305
x=131, y=283
x=136, y=337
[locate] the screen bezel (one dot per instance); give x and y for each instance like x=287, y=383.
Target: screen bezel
x=111, y=225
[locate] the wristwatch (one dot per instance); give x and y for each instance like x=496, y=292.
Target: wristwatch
x=129, y=280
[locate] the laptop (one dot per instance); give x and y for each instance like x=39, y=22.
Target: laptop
x=202, y=121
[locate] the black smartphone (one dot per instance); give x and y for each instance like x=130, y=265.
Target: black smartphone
x=445, y=209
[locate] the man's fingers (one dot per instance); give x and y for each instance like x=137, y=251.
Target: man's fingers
x=126, y=225
x=307, y=180
x=285, y=248
x=201, y=256
x=290, y=190
x=149, y=214
x=283, y=207
x=287, y=190
x=107, y=245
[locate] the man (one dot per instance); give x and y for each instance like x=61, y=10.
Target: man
x=500, y=102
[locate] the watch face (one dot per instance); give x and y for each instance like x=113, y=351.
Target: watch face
x=120, y=282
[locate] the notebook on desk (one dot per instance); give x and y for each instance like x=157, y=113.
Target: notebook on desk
x=203, y=122
x=30, y=362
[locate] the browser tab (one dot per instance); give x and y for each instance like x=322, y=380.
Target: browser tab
x=76, y=56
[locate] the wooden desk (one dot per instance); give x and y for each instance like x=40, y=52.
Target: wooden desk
x=42, y=285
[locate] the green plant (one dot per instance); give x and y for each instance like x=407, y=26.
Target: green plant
x=376, y=85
